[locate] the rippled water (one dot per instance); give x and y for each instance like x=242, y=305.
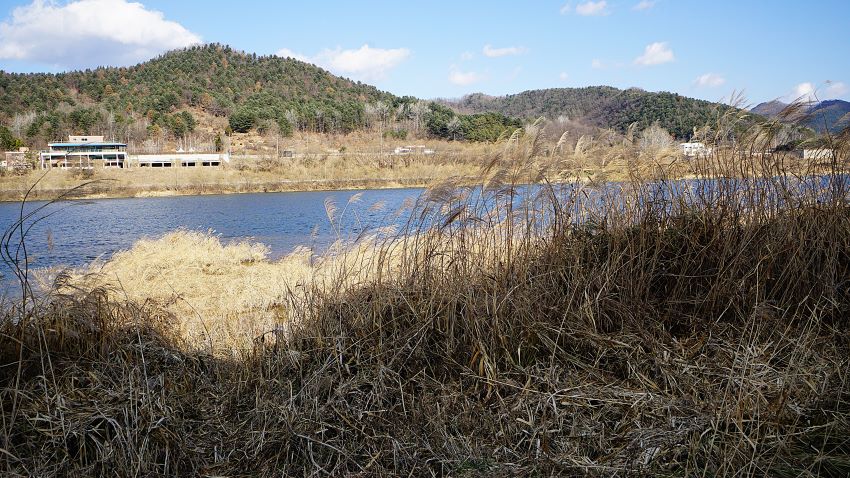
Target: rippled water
x=74, y=233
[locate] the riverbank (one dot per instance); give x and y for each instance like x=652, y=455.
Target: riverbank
x=676, y=335
x=102, y=190
x=243, y=175
x=643, y=330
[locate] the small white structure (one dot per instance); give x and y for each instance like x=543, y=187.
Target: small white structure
x=820, y=153
x=185, y=160
x=82, y=152
x=15, y=160
x=420, y=149
x=694, y=149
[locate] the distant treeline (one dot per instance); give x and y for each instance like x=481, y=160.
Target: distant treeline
x=602, y=106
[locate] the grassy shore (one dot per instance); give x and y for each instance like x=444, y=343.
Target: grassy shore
x=643, y=329
x=230, y=179
x=258, y=171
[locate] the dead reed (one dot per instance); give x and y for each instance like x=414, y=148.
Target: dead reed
x=654, y=327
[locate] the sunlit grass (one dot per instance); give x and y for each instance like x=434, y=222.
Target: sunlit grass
x=649, y=327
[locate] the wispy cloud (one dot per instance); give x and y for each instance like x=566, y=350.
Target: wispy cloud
x=644, y=5
x=655, y=54
x=89, y=33
x=466, y=56
x=808, y=91
x=463, y=78
x=597, y=64
x=491, y=52
x=589, y=8
x=564, y=76
x=592, y=8
x=287, y=53
x=365, y=62
x=710, y=80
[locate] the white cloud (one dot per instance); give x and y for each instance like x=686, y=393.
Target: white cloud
x=89, y=33
x=463, y=78
x=363, y=63
x=564, y=76
x=805, y=91
x=836, y=89
x=287, y=53
x=710, y=80
x=567, y=8
x=592, y=8
x=644, y=5
x=491, y=52
x=466, y=56
x=600, y=64
x=655, y=54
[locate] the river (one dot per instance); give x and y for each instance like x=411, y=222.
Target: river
x=74, y=233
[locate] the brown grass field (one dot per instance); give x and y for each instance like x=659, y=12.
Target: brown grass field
x=652, y=327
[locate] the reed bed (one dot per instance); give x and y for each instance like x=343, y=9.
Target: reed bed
x=652, y=327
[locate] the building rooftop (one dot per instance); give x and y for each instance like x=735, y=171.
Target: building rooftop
x=67, y=145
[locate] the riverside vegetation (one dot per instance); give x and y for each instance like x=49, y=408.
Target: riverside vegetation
x=649, y=327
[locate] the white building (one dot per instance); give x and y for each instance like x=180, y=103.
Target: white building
x=694, y=149
x=184, y=160
x=83, y=152
x=820, y=153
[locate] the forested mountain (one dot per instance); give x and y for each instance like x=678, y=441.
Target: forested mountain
x=213, y=78
x=769, y=109
x=165, y=99
x=829, y=115
x=602, y=106
x=157, y=98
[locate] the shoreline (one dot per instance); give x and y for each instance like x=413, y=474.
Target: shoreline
x=96, y=191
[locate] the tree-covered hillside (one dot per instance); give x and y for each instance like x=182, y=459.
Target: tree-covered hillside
x=156, y=100
x=213, y=78
x=602, y=106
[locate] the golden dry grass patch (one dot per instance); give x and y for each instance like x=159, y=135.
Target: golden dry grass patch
x=221, y=293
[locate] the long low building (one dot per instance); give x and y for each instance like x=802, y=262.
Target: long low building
x=88, y=152
x=168, y=160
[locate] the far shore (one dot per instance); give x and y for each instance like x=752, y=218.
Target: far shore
x=101, y=189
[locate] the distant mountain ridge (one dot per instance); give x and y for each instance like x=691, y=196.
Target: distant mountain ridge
x=212, y=78
x=167, y=96
x=829, y=115
x=602, y=106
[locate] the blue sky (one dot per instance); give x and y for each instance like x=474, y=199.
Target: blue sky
x=765, y=49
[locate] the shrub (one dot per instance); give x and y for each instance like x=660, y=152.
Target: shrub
x=242, y=121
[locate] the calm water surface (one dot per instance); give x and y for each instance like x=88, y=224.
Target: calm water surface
x=76, y=232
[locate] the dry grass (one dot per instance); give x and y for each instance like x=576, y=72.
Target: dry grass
x=220, y=295
x=655, y=327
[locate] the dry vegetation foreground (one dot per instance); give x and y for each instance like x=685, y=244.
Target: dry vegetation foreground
x=648, y=329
